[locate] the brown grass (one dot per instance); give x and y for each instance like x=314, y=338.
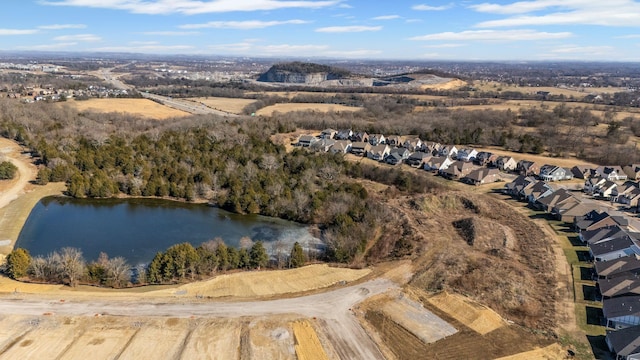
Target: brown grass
x=542, y=159
x=140, y=107
x=551, y=352
x=307, y=345
x=230, y=105
x=449, y=85
x=290, y=107
x=566, y=91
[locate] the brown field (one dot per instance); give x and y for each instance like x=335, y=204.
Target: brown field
x=449, y=85
x=290, y=107
x=230, y=105
x=566, y=91
x=214, y=339
x=140, y=107
x=308, y=345
x=551, y=352
x=562, y=162
x=479, y=318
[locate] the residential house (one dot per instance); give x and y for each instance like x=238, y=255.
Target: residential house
x=412, y=144
x=547, y=203
x=394, y=140
x=466, y=154
x=592, y=185
x=437, y=163
x=360, y=136
x=613, y=248
x=582, y=171
x=606, y=190
x=555, y=173
x=328, y=133
x=570, y=209
x=360, y=148
x=322, y=145
x=506, y=163
x=622, y=312
x=393, y=158
x=457, y=170
x=430, y=147
x=378, y=152
x=483, y=158
x=624, y=189
x=631, y=199
x=518, y=184
x=341, y=147
x=597, y=220
x=611, y=173
x=624, y=343
x=418, y=158
x=625, y=285
x=448, y=150
x=528, y=168
x=601, y=234
x=376, y=139
x=344, y=134
x=306, y=140
x=632, y=171
x=618, y=267
x=482, y=176
x=537, y=191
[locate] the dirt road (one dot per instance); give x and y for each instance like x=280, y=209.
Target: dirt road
x=26, y=171
x=334, y=307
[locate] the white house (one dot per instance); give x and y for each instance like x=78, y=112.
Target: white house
x=379, y=152
x=437, y=163
x=467, y=154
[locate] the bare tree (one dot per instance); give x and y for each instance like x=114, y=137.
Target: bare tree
x=72, y=265
x=118, y=271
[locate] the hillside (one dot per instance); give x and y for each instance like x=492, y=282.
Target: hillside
x=302, y=73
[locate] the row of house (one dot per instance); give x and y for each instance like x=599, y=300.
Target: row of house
x=614, y=246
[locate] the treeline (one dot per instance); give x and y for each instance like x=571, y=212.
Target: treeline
x=178, y=263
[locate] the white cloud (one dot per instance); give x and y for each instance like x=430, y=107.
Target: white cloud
x=563, y=12
x=630, y=36
x=78, y=37
x=413, y=20
x=443, y=46
x=347, y=29
x=62, y=26
x=10, y=32
x=192, y=7
x=585, y=50
x=386, y=17
x=171, y=33
x=242, y=25
x=494, y=35
x=425, y=7
x=143, y=43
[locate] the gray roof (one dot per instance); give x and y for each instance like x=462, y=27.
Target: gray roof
x=621, y=306
x=625, y=342
x=622, y=285
x=615, y=244
x=618, y=267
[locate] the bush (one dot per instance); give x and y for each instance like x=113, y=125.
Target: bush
x=7, y=170
x=18, y=262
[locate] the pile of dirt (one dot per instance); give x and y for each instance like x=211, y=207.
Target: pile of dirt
x=478, y=246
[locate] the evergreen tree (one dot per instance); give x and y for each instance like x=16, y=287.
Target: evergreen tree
x=18, y=262
x=298, y=257
x=258, y=256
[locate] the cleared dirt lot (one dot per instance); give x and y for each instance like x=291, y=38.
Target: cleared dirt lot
x=230, y=105
x=140, y=107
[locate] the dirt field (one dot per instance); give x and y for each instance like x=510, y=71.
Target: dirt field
x=289, y=107
x=563, y=162
x=140, y=107
x=551, y=352
x=230, y=105
x=308, y=345
x=566, y=91
x=453, y=84
x=478, y=318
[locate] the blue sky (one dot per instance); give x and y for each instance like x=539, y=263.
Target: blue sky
x=470, y=30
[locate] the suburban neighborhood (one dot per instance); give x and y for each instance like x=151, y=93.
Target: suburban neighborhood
x=601, y=210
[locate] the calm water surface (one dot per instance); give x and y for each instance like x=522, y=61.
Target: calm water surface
x=138, y=228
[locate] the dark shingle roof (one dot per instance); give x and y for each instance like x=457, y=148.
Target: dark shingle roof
x=625, y=342
x=618, y=267
x=621, y=306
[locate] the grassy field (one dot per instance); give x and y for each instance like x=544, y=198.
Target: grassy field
x=230, y=105
x=290, y=107
x=566, y=91
x=140, y=107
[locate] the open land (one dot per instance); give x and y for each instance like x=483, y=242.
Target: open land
x=290, y=107
x=139, y=107
x=230, y=105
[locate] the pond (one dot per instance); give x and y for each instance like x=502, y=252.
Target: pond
x=137, y=229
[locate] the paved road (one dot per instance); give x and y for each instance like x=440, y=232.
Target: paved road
x=333, y=306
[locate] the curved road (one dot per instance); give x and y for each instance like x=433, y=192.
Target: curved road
x=26, y=171
x=334, y=307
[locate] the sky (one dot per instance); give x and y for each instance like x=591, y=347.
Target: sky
x=467, y=30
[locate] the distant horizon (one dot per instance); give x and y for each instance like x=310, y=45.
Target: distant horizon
x=436, y=30
x=159, y=56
